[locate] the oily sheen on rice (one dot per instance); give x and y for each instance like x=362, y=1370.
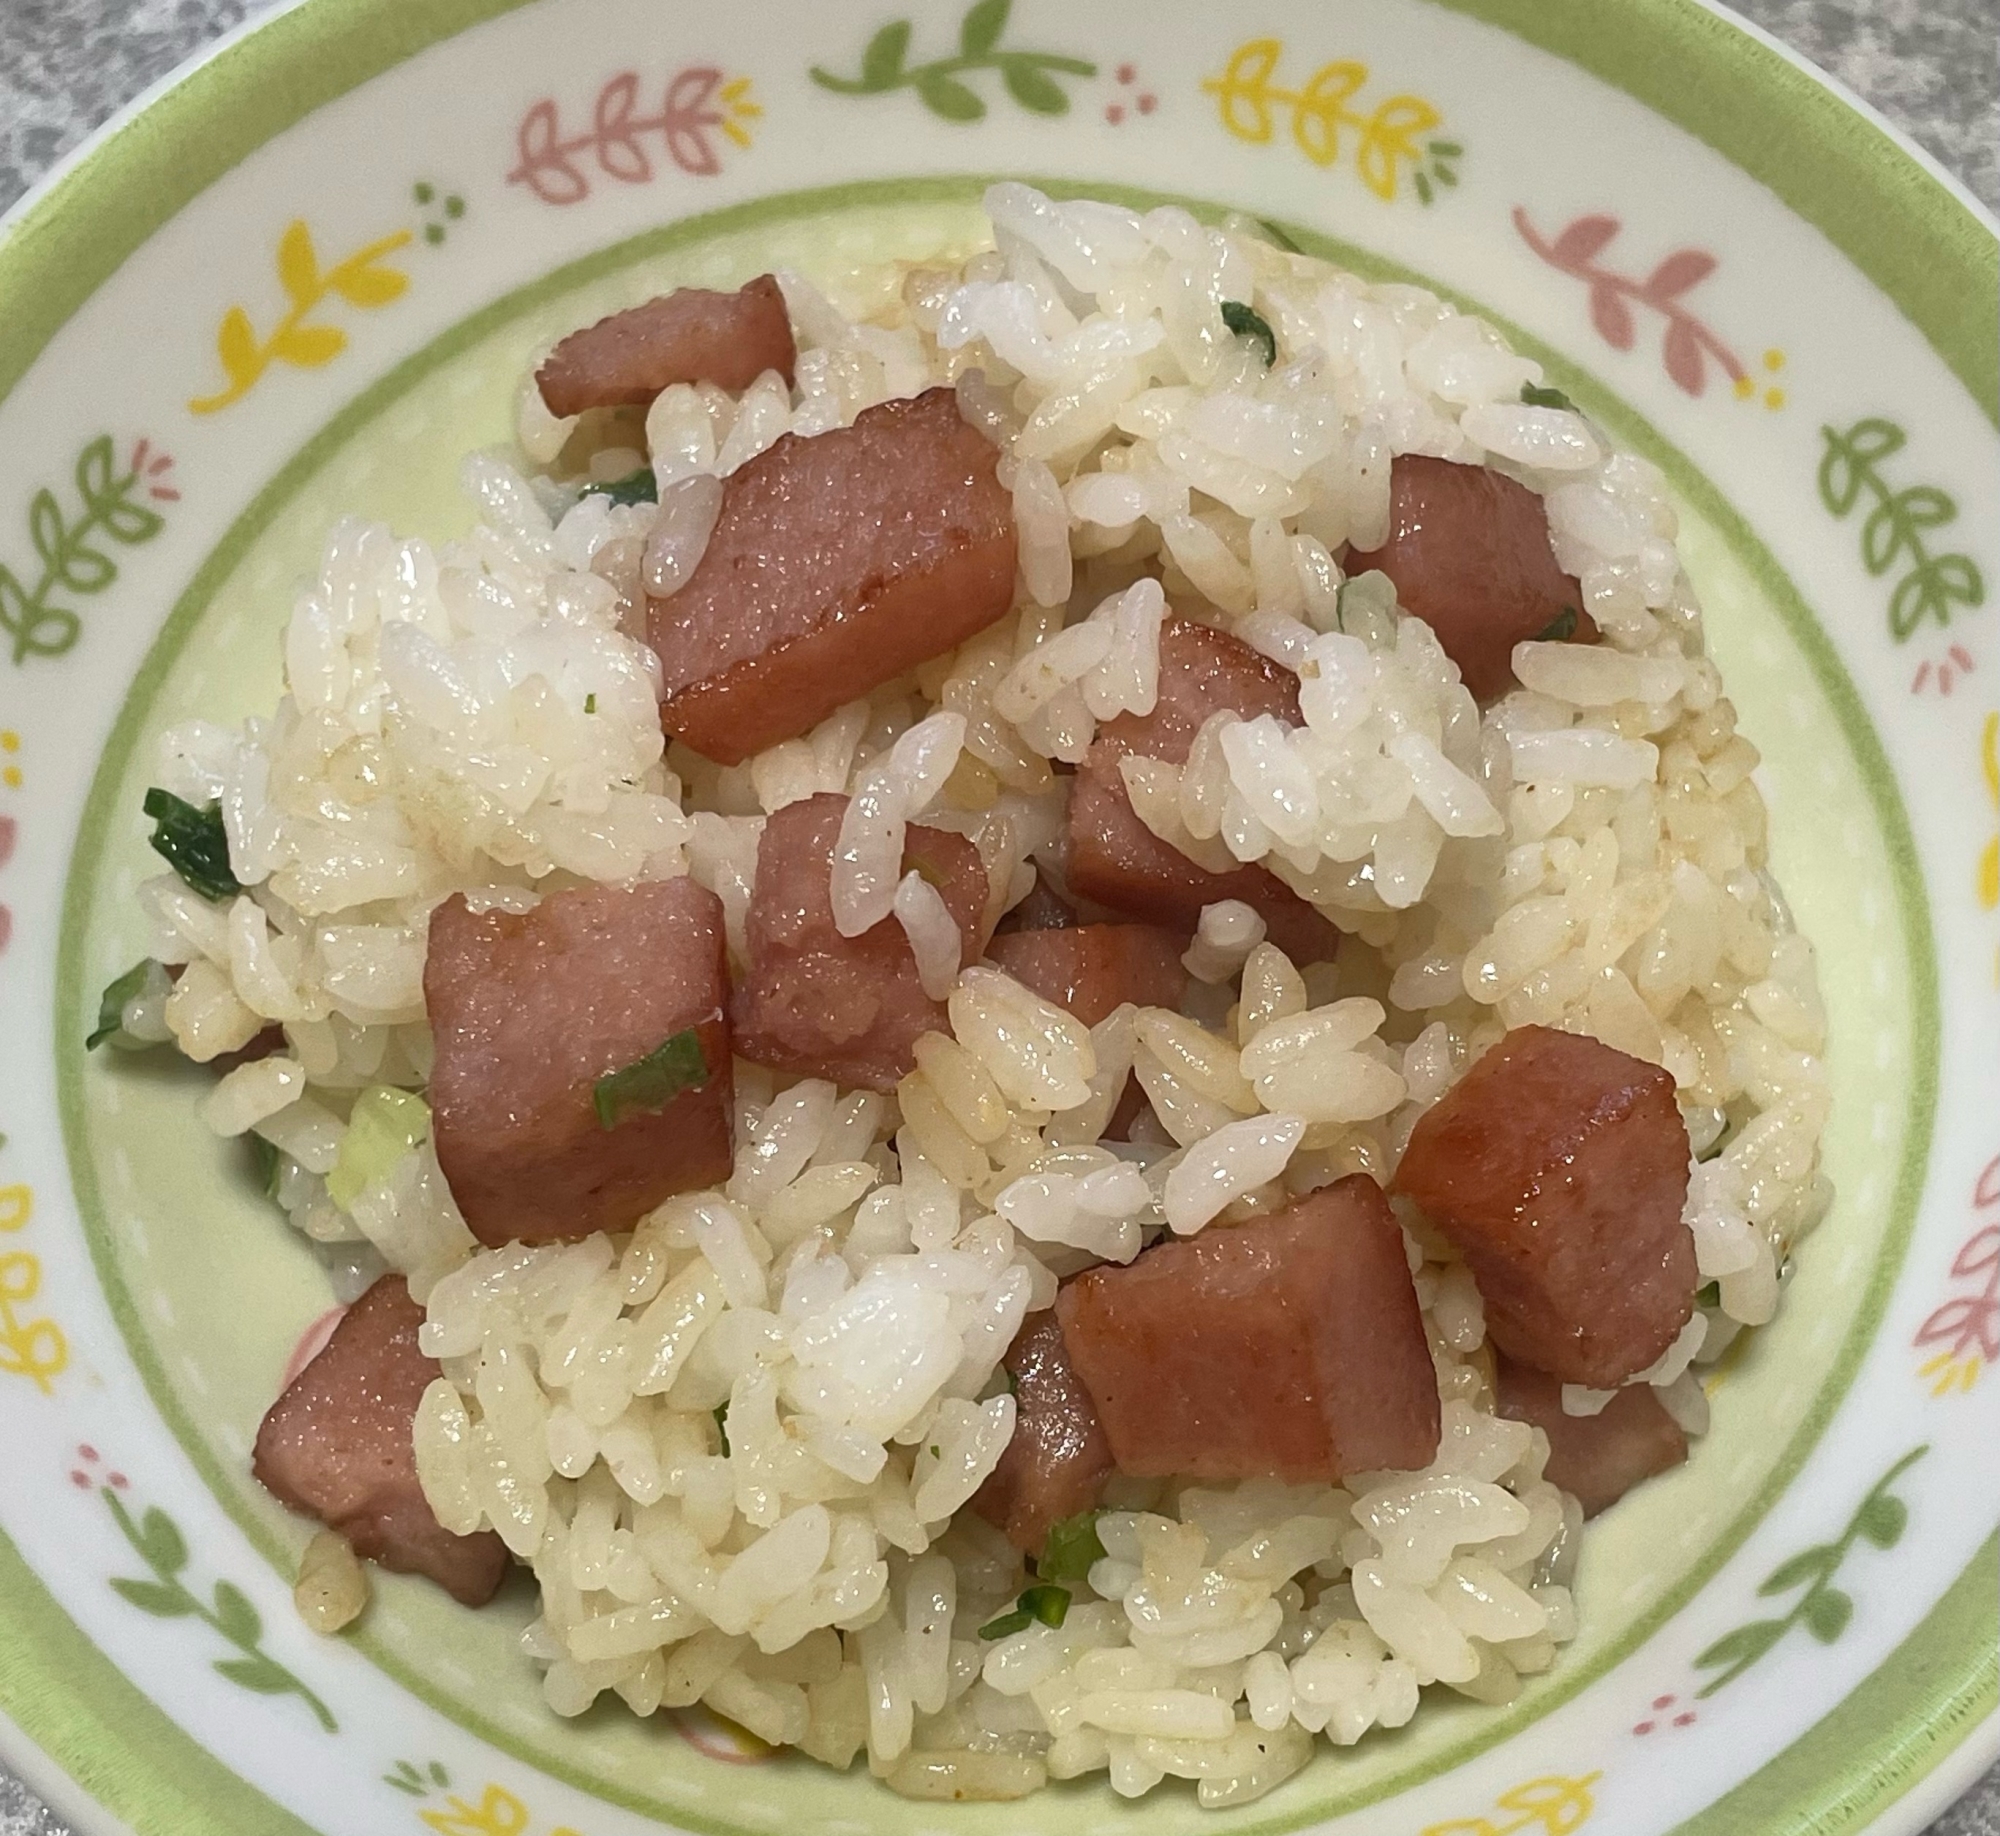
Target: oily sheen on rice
x=736, y=1445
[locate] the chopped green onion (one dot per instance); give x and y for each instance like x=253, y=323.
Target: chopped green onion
x=1537, y=397
x=1007, y=1624
x=1048, y=1604
x=590, y=703
x=652, y=1082
x=385, y=1124
x=265, y=1155
x=721, y=1413
x=193, y=843
x=638, y=487
x=1069, y=1549
x=111, y=1006
x=1560, y=629
x=1247, y=323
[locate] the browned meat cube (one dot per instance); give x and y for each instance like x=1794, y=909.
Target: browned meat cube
x=1559, y=1166
x=535, y=1014
x=1469, y=552
x=1598, y=1457
x=1116, y=860
x=337, y=1446
x=693, y=335
x=849, y=1008
x=1290, y=1347
x=838, y=562
x=1058, y=1460
x=1093, y=968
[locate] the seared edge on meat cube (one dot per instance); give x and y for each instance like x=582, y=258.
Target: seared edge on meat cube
x=1291, y=1347
x=1117, y=861
x=1058, y=1460
x=582, y=1068
x=1559, y=1167
x=337, y=1446
x=1601, y=1457
x=693, y=335
x=1469, y=552
x=819, y=1004
x=838, y=561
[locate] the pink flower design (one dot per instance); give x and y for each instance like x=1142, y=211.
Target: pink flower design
x=699, y=103
x=1688, y=343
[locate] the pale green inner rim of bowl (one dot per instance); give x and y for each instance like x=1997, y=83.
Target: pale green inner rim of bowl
x=1631, y=430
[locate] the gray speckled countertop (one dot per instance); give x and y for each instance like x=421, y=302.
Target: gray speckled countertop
x=1931, y=66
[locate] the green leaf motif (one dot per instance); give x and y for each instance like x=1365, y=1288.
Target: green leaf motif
x=1893, y=532
x=71, y=559
x=1741, y=1648
x=1826, y=1612
x=1883, y=1519
x=948, y=98
x=257, y=1673
x=1850, y=458
x=882, y=61
x=980, y=30
x=160, y=1543
x=85, y=570
x=131, y=523
x=1823, y=1609
x=236, y=1616
x=1034, y=89
x=162, y=1600
x=93, y=471
x=1892, y=527
x=1029, y=77
x=1808, y=1565
x=47, y=530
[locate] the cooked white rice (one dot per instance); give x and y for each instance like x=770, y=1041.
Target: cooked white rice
x=1588, y=854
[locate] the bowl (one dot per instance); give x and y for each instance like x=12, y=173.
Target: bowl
x=303, y=278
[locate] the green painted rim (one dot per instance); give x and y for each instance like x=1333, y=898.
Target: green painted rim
x=105, y=1733
x=1890, y=1734
x=1630, y=429
x=1892, y=217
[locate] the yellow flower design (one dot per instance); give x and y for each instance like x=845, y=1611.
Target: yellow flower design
x=30, y=1348
x=498, y=1813
x=1325, y=113
x=1555, y=1806
x=361, y=280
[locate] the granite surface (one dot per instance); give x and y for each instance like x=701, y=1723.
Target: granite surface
x=1931, y=66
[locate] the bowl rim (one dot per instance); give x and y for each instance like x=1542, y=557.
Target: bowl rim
x=1899, y=217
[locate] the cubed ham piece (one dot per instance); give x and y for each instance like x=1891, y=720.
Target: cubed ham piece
x=728, y=339
x=1058, y=1460
x=1116, y=860
x=337, y=1446
x=1290, y=1347
x=849, y=1008
x=530, y=1010
x=838, y=561
x=1093, y=968
x=1469, y=552
x=1598, y=1457
x=1559, y=1166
